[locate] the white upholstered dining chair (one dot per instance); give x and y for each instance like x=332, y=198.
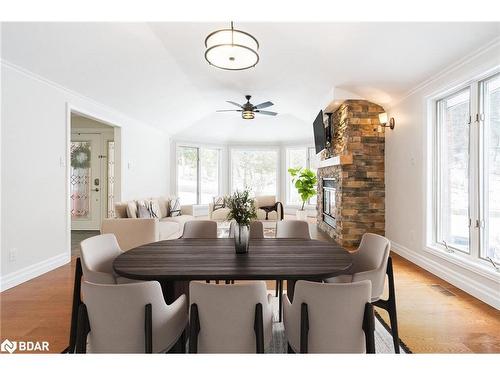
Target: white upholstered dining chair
x=292, y=229
x=95, y=265
x=371, y=261
x=229, y=318
x=129, y=318
x=330, y=318
x=200, y=229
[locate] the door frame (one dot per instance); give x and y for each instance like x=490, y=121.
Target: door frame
x=93, y=221
x=66, y=162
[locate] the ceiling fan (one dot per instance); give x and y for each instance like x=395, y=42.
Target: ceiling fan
x=248, y=110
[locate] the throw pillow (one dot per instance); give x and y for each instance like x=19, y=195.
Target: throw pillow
x=132, y=209
x=175, y=207
x=219, y=202
x=143, y=211
x=154, y=208
x=163, y=203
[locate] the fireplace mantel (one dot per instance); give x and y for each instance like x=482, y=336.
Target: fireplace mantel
x=336, y=160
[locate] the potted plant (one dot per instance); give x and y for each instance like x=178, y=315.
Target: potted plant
x=305, y=181
x=242, y=211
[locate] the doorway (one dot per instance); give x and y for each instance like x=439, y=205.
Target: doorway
x=93, y=176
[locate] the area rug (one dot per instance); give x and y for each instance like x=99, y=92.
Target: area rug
x=383, y=338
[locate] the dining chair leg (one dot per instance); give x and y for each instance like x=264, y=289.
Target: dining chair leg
x=390, y=306
x=194, y=328
x=82, y=330
x=77, y=301
x=280, y=301
x=369, y=328
x=259, y=329
x=304, y=328
x=148, y=329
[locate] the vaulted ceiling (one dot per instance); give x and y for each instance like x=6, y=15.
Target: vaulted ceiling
x=156, y=72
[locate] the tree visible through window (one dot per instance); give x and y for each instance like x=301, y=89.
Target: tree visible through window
x=197, y=174
x=256, y=170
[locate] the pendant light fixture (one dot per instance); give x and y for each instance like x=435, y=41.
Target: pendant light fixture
x=231, y=49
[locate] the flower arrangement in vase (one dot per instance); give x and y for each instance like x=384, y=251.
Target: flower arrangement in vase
x=242, y=211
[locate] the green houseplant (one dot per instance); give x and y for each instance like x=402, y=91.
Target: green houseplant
x=242, y=211
x=305, y=182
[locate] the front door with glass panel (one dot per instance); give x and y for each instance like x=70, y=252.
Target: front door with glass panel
x=85, y=182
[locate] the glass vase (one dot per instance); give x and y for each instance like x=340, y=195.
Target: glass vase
x=241, y=236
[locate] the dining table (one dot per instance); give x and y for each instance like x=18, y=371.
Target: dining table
x=174, y=263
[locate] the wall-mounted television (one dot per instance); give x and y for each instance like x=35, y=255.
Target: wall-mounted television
x=319, y=133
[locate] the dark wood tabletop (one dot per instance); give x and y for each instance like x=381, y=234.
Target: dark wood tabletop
x=215, y=259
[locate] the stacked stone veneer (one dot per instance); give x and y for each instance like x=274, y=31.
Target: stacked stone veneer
x=360, y=197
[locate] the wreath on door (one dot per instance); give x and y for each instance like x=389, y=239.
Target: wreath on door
x=80, y=156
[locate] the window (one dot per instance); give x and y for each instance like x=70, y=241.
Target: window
x=197, y=174
x=466, y=180
x=209, y=174
x=304, y=157
x=490, y=106
x=256, y=170
x=453, y=221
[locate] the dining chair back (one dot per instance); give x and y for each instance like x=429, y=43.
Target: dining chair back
x=129, y=318
x=292, y=229
x=98, y=254
x=370, y=262
x=200, y=229
x=229, y=318
x=330, y=318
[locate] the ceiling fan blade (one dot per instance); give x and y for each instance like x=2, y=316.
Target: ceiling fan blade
x=229, y=110
x=234, y=103
x=267, y=113
x=263, y=105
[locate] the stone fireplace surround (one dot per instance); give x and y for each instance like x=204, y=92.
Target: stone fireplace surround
x=357, y=166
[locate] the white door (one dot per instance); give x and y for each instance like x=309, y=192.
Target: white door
x=85, y=182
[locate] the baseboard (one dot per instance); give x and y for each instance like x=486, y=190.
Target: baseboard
x=475, y=286
x=27, y=273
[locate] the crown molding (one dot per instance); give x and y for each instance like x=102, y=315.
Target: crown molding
x=460, y=63
x=57, y=86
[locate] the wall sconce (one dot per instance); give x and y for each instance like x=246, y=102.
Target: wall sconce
x=382, y=117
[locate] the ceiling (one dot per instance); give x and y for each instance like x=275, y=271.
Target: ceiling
x=156, y=72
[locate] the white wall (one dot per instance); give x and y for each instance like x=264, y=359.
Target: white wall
x=405, y=163
x=35, y=133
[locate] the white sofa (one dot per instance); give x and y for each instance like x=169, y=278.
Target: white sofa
x=265, y=200
x=132, y=232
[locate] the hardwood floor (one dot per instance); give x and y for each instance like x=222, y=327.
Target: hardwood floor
x=434, y=316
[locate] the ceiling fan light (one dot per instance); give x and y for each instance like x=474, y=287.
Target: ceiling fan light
x=248, y=115
x=231, y=49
